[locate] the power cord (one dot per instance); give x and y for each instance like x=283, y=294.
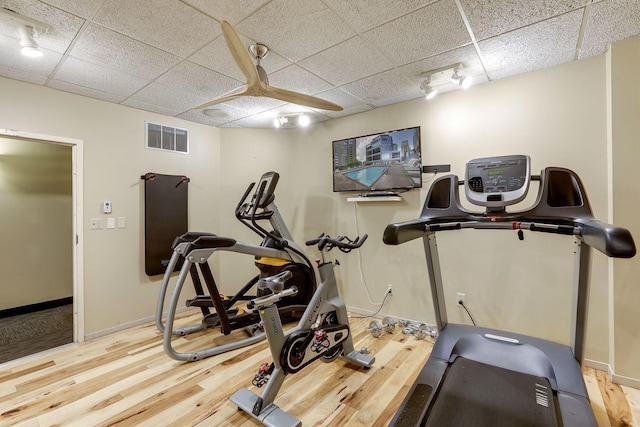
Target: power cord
x=465, y=309
x=376, y=313
x=362, y=279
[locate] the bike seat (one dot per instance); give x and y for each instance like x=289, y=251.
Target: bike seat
x=275, y=283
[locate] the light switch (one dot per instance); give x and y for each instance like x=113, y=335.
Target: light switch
x=122, y=222
x=96, y=224
x=111, y=223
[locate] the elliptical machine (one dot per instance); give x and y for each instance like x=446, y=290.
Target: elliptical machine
x=277, y=253
x=322, y=333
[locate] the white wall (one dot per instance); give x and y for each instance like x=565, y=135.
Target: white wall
x=36, y=222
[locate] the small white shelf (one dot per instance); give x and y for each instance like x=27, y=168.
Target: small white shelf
x=375, y=199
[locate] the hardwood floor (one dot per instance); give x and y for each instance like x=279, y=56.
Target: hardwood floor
x=125, y=379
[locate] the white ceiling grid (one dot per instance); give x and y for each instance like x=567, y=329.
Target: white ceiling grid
x=169, y=56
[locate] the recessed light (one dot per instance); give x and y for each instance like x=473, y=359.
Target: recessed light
x=216, y=113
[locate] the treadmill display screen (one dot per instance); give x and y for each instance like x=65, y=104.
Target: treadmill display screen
x=497, y=181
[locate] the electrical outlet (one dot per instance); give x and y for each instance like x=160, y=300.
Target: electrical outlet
x=390, y=289
x=460, y=298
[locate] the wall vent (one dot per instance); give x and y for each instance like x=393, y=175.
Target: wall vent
x=167, y=138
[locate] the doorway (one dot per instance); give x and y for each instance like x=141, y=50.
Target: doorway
x=41, y=210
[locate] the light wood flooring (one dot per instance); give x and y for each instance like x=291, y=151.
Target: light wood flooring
x=125, y=379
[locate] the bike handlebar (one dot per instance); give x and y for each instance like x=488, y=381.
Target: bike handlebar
x=341, y=242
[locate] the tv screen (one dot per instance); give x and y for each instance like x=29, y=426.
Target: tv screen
x=386, y=161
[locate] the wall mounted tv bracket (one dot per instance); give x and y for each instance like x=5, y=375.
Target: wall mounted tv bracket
x=497, y=182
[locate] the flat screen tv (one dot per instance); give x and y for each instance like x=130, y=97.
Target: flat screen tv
x=381, y=162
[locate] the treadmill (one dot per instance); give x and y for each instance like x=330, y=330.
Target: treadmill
x=478, y=376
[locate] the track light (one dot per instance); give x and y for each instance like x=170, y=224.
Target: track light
x=27, y=41
x=301, y=120
x=428, y=91
x=280, y=121
x=463, y=81
x=304, y=120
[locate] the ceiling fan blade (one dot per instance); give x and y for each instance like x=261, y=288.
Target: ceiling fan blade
x=222, y=99
x=240, y=54
x=300, y=99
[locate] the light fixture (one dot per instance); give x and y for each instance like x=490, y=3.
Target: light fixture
x=443, y=80
x=463, y=81
x=27, y=41
x=28, y=31
x=428, y=91
x=216, y=113
x=302, y=120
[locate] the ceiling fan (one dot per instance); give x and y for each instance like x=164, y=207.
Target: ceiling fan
x=257, y=81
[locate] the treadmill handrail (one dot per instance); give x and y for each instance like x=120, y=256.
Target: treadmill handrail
x=561, y=207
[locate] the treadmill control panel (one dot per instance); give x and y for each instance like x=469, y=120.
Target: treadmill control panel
x=496, y=182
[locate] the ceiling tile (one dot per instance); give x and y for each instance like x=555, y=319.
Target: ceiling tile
x=166, y=97
x=150, y=107
x=548, y=43
x=348, y=61
x=381, y=86
x=298, y=79
x=366, y=14
x=434, y=29
x=340, y=97
x=63, y=26
x=82, y=8
x=100, y=45
x=296, y=29
x=198, y=80
x=609, y=21
x=24, y=76
x=84, y=91
x=97, y=77
x=489, y=18
x=230, y=11
x=170, y=25
x=360, y=54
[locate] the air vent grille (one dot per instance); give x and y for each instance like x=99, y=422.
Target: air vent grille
x=167, y=138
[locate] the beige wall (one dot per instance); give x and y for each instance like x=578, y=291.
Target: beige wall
x=117, y=291
x=625, y=131
x=36, y=222
x=558, y=116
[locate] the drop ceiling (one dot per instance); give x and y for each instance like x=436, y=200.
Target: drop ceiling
x=169, y=56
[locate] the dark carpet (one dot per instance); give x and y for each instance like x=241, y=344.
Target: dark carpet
x=31, y=333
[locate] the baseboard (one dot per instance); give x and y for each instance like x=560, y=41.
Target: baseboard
x=118, y=328
x=600, y=366
x=616, y=379
x=625, y=381
x=374, y=315
x=32, y=308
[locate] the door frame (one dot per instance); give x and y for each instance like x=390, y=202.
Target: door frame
x=77, y=153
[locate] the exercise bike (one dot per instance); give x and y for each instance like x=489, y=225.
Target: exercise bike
x=276, y=253
x=322, y=333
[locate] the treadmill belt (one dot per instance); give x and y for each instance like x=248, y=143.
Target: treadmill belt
x=474, y=394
